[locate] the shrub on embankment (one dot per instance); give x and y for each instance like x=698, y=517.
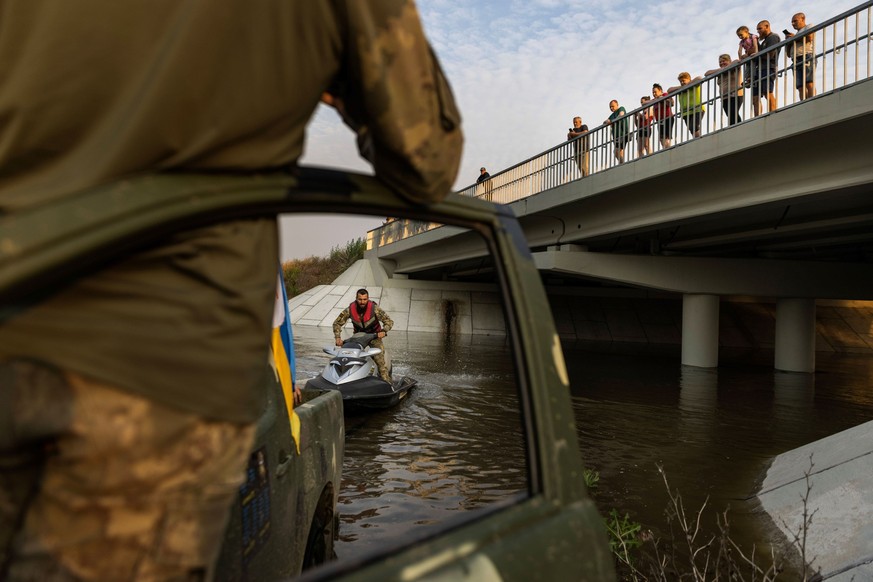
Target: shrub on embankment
x=690, y=551
x=303, y=274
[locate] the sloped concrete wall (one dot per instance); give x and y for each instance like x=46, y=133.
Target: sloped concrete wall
x=434, y=306
x=840, y=469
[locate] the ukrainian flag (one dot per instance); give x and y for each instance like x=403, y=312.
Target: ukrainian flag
x=283, y=354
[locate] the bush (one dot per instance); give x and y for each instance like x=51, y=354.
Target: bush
x=301, y=275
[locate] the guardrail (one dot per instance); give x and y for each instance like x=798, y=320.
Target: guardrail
x=829, y=56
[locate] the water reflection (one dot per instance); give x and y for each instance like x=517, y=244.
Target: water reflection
x=713, y=430
x=794, y=390
x=698, y=389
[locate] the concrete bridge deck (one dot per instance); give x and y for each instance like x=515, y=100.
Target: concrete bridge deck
x=794, y=185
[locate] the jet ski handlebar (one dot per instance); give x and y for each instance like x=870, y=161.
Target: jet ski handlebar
x=361, y=340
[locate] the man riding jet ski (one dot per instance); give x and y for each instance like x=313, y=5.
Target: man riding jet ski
x=367, y=317
x=352, y=371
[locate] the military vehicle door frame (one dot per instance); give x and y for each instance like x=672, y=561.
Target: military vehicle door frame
x=43, y=248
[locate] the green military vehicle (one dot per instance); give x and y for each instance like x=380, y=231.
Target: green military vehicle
x=547, y=529
x=267, y=537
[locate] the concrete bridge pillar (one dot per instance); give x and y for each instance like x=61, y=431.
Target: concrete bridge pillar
x=700, y=330
x=795, y=335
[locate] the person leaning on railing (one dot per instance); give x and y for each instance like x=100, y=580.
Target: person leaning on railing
x=484, y=179
x=643, y=120
x=580, y=145
x=766, y=68
x=748, y=46
x=730, y=87
x=620, y=127
x=662, y=110
x=690, y=102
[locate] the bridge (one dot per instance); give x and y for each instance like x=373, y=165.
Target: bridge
x=778, y=206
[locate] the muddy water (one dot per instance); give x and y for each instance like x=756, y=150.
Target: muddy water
x=455, y=447
x=713, y=431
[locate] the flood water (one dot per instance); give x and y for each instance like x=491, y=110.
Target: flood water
x=714, y=431
x=454, y=446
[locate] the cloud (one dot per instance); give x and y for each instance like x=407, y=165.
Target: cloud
x=522, y=69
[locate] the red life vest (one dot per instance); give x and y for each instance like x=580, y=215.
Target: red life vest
x=366, y=323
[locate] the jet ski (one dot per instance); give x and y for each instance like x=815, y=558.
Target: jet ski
x=352, y=371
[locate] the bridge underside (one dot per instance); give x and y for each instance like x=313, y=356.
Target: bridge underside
x=713, y=275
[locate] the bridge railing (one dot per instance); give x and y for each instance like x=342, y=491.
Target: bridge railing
x=830, y=55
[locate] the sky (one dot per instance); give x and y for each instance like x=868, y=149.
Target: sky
x=522, y=69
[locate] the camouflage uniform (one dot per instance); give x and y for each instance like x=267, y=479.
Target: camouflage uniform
x=384, y=321
x=95, y=91
x=131, y=489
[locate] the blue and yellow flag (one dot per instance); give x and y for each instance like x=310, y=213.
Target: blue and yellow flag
x=283, y=354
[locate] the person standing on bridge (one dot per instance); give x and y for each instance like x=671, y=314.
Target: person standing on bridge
x=748, y=47
x=367, y=317
x=135, y=390
x=579, y=133
x=766, y=67
x=690, y=103
x=802, y=54
x=663, y=113
x=730, y=87
x=485, y=177
x=620, y=129
x=643, y=121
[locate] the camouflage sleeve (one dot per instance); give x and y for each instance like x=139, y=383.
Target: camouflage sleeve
x=410, y=127
x=384, y=319
x=339, y=322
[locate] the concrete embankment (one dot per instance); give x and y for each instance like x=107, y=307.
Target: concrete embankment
x=838, y=496
x=433, y=306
